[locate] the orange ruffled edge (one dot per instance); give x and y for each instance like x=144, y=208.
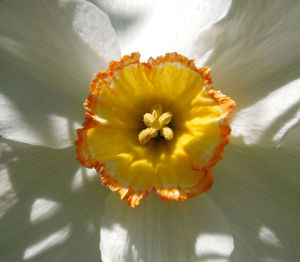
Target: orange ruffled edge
x=133, y=196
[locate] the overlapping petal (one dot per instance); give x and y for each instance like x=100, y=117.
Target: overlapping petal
x=257, y=189
x=254, y=52
x=194, y=230
x=49, y=204
x=49, y=50
x=158, y=27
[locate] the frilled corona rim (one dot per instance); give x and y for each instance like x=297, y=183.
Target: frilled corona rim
x=123, y=168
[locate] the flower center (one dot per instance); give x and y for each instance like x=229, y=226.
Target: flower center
x=156, y=123
x=136, y=160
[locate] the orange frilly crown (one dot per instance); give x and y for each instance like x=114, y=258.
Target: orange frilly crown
x=156, y=127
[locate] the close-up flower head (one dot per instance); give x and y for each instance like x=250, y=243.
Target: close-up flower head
x=146, y=130
x=157, y=126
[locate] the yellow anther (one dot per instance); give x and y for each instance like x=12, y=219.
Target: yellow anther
x=165, y=118
x=167, y=133
x=156, y=121
x=146, y=134
x=149, y=119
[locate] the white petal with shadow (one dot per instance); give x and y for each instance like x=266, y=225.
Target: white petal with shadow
x=34, y=114
x=291, y=138
x=267, y=235
x=82, y=176
x=8, y=196
x=255, y=52
x=54, y=239
x=269, y=120
x=32, y=229
x=48, y=57
x=160, y=231
x=257, y=190
x=42, y=209
x=156, y=27
x=62, y=43
x=212, y=245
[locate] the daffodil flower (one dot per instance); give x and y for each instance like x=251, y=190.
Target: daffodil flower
x=54, y=209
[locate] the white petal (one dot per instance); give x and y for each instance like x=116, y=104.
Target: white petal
x=43, y=209
x=36, y=115
x=271, y=118
x=94, y=28
x=258, y=190
x=46, y=219
x=291, y=139
x=62, y=43
x=254, y=51
x=51, y=241
x=155, y=27
x=158, y=231
x=48, y=58
x=8, y=197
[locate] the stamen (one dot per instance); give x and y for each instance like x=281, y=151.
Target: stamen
x=149, y=119
x=165, y=118
x=156, y=121
x=146, y=134
x=167, y=133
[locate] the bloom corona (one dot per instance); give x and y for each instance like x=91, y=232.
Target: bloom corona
x=154, y=127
